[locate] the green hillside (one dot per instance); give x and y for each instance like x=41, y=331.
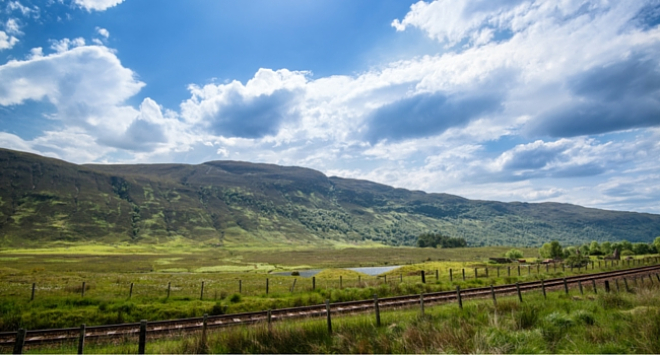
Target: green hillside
x=239, y=204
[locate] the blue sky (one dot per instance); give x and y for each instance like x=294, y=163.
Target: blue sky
x=510, y=100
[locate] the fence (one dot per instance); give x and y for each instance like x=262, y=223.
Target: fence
x=165, y=327
x=212, y=287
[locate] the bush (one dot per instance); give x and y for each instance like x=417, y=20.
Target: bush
x=513, y=254
x=235, y=298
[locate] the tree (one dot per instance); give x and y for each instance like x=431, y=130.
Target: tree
x=656, y=243
x=552, y=250
x=513, y=254
x=641, y=248
x=626, y=245
x=595, y=249
x=606, y=248
x=584, y=249
x=568, y=251
x=433, y=240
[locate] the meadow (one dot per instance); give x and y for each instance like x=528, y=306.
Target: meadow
x=143, y=283
x=626, y=322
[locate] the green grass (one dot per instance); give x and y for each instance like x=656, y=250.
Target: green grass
x=59, y=277
x=602, y=323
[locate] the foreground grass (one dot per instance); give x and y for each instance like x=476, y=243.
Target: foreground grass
x=589, y=323
x=59, y=301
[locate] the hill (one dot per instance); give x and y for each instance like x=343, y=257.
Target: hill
x=239, y=204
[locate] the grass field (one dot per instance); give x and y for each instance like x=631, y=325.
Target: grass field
x=590, y=323
x=168, y=285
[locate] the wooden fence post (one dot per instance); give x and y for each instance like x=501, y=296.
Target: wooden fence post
x=519, y=293
x=458, y=296
x=314, y=283
x=657, y=277
x=616, y=281
x=269, y=316
x=423, y=277
x=563, y=267
x=82, y=294
x=437, y=275
x=377, y=310
x=34, y=285
x=508, y=270
x=293, y=287
x=593, y=282
x=81, y=339
x=201, y=294
x=492, y=293
x=547, y=268
x=580, y=285
x=476, y=276
x=329, y=317
x=565, y=286
x=538, y=268
x=19, y=342
x=204, y=327
x=421, y=304
x=607, y=286
x=543, y=288
x=529, y=270
x=625, y=282
x=130, y=291
x=143, y=337
x=266, y=285
x=463, y=274
x=451, y=276
x=518, y=269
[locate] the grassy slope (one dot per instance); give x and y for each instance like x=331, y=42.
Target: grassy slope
x=246, y=206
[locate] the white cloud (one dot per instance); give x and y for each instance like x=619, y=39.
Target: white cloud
x=97, y=5
x=65, y=44
x=7, y=42
x=12, y=27
x=103, y=32
x=24, y=10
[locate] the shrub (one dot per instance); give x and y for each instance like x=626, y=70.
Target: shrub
x=513, y=254
x=235, y=298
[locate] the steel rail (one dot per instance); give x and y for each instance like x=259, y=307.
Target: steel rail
x=164, y=327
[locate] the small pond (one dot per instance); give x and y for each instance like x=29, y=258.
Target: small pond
x=371, y=271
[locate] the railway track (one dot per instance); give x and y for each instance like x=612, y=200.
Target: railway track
x=160, y=328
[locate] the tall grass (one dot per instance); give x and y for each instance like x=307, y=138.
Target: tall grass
x=610, y=323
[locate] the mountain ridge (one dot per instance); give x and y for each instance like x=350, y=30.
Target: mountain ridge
x=240, y=204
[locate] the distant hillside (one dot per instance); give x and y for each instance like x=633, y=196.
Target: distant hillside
x=243, y=204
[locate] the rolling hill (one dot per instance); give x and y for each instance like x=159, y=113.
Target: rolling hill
x=239, y=204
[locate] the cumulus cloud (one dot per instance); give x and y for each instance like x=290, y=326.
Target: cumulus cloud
x=613, y=97
x=97, y=5
x=428, y=114
x=253, y=110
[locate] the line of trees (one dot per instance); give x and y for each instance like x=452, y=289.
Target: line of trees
x=554, y=250
x=434, y=240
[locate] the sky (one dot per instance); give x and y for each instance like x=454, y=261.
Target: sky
x=507, y=100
